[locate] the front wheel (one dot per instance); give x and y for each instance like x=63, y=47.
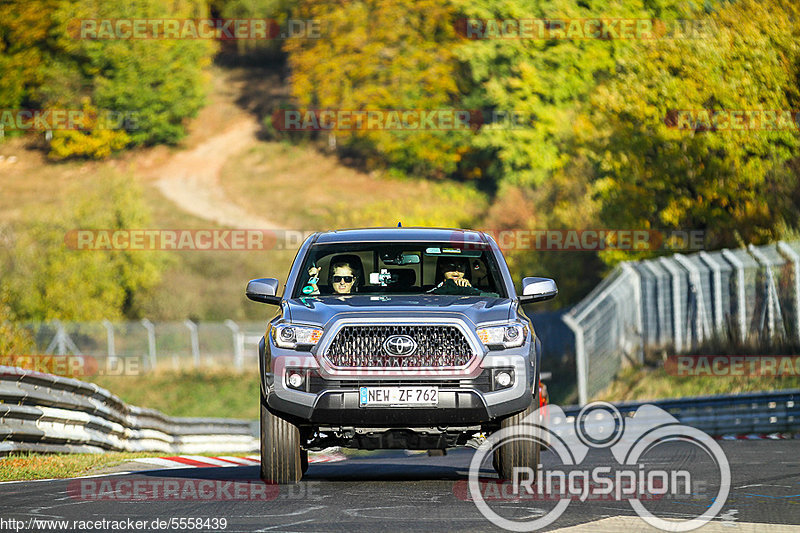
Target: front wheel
x=522, y=451
x=281, y=460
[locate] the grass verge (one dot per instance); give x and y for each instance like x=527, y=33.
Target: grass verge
x=308, y=190
x=203, y=393
x=28, y=466
x=645, y=383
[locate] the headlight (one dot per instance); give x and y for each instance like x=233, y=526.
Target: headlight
x=286, y=336
x=508, y=335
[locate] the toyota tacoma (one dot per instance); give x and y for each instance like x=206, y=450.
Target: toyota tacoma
x=404, y=338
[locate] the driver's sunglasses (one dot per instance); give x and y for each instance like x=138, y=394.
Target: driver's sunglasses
x=346, y=279
x=452, y=267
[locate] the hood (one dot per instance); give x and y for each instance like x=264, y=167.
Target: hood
x=320, y=310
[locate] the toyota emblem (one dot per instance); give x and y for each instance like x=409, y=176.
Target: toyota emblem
x=400, y=345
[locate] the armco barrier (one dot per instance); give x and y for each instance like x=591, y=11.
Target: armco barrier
x=43, y=412
x=682, y=301
x=756, y=413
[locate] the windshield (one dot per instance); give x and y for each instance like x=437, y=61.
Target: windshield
x=399, y=268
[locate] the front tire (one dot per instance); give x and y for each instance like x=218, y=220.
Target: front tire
x=522, y=452
x=281, y=460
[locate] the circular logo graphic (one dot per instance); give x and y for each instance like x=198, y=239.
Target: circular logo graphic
x=599, y=425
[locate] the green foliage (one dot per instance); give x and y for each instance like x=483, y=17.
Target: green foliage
x=456, y=207
x=45, y=279
x=544, y=81
x=738, y=185
x=598, y=153
x=13, y=339
x=276, y=11
x=389, y=55
x=155, y=84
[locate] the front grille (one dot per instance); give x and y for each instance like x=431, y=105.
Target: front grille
x=362, y=347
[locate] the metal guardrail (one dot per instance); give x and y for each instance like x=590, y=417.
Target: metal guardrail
x=682, y=301
x=47, y=413
x=761, y=413
x=43, y=412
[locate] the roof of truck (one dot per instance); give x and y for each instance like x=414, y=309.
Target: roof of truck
x=402, y=234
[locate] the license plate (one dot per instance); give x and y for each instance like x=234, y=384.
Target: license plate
x=398, y=396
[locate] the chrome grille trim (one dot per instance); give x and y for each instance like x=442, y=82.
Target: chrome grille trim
x=361, y=346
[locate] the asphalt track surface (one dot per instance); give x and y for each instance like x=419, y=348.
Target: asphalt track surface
x=400, y=492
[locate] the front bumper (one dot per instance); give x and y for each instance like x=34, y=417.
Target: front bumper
x=464, y=400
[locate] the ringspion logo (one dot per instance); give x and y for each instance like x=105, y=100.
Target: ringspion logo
x=599, y=425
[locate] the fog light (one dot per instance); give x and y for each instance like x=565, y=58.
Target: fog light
x=503, y=379
x=512, y=333
x=296, y=380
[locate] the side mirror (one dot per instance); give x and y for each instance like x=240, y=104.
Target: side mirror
x=537, y=290
x=263, y=290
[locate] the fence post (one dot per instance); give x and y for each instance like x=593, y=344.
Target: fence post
x=677, y=326
x=660, y=311
x=701, y=326
x=716, y=279
x=740, y=308
x=238, y=344
x=112, y=353
x=773, y=305
x=637, y=303
x=151, y=342
x=61, y=341
x=580, y=356
x=195, y=341
x=790, y=255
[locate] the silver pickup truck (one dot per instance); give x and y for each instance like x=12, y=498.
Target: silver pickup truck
x=408, y=338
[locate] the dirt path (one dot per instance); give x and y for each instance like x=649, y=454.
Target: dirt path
x=191, y=179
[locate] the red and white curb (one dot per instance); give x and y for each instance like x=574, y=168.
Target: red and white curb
x=200, y=461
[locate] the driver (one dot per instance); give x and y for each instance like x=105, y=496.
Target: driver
x=454, y=281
